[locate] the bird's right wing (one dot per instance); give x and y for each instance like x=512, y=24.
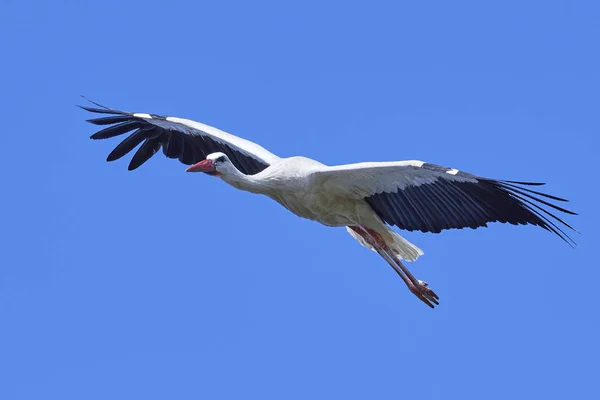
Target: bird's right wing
x=187, y=140
x=415, y=195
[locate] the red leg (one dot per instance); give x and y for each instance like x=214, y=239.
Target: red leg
x=378, y=245
x=417, y=287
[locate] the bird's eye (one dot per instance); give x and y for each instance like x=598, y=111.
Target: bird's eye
x=221, y=159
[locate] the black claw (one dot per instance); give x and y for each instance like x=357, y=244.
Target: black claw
x=426, y=301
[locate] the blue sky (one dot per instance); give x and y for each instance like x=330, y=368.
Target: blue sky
x=159, y=284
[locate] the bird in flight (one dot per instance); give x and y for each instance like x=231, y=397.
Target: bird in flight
x=366, y=198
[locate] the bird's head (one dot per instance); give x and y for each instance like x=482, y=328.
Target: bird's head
x=215, y=164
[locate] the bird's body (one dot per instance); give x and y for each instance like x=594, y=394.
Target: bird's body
x=293, y=183
x=302, y=186
x=366, y=198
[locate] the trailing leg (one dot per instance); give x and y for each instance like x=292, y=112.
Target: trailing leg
x=417, y=287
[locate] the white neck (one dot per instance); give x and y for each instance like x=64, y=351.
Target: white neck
x=249, y=183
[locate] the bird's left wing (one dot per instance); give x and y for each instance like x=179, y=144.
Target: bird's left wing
x=187, y=140
x=415, y=195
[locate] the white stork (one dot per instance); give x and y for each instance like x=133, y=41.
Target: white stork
x=365, y=198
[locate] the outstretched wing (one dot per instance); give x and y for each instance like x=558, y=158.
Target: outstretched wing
x=187, y=140
x=415, y=195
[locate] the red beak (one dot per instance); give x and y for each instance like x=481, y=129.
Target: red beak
x=203, y=166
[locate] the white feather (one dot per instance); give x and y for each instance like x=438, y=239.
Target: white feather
x=366, y=179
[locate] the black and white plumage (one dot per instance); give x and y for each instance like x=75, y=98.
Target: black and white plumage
x=366, y=198
x=186, y=140
x=431, y=198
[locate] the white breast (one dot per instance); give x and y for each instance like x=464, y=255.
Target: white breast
x=292, y=187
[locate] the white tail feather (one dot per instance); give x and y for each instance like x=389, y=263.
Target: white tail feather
x=400, y=246
x=405, y=249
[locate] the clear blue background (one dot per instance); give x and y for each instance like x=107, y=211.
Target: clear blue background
x=157, y=284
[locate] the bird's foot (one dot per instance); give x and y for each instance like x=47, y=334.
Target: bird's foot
x=426, y=295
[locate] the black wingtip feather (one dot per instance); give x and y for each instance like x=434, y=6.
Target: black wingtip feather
x=521, y=196
x=545, y=211
x=116, y=130
x=552, y=227
x=525, y=183
x=515, y=190
x=109, y=120
x=94, y=103
x=447, y=204
x=103, y=107
x=146, y=150
x=549, y=196
x=130, y=143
